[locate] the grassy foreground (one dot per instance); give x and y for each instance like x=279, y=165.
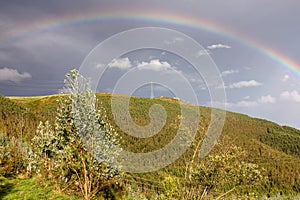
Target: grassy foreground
x=29, y=188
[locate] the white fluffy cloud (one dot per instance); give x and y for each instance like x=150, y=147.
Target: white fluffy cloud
x=7, y=74
x=174, y=40
x=100, y=65
x=285, y=78
x=247, y=103
x=291, y=96
x=241, y=84
x=155, y=65
x=238, y=104
x=203, y=52
x=121, y=63
x=267, y=99
x=219, y=46
x=228, y=72
x=243, y=104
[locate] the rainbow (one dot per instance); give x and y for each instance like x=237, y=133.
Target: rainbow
x=160, y=17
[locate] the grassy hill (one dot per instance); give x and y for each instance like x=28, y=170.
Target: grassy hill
x=16, y=120
x=274, y=148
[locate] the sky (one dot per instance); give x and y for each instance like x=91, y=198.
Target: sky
x=253, y=45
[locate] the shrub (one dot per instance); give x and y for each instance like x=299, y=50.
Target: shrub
x=79, y=150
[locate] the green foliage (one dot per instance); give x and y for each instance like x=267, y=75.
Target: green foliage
x=14, y=157
x=170, y=187
x=284, y=139
x=134, y=193
x=92, y=130
x=17, y=125
x=221, y=173
x=29, y=188
x=16, y=120
x=79, y=152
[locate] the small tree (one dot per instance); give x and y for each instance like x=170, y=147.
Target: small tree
x=80, y=152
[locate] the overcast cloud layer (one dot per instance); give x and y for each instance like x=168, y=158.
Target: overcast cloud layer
x=35, y=62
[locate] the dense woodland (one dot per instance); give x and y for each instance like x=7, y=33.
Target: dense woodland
x=252, y=158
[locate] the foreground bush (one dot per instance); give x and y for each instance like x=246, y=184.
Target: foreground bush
x=78, y=151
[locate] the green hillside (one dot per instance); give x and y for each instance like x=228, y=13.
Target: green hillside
x=274, y=148
x=16, y=120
